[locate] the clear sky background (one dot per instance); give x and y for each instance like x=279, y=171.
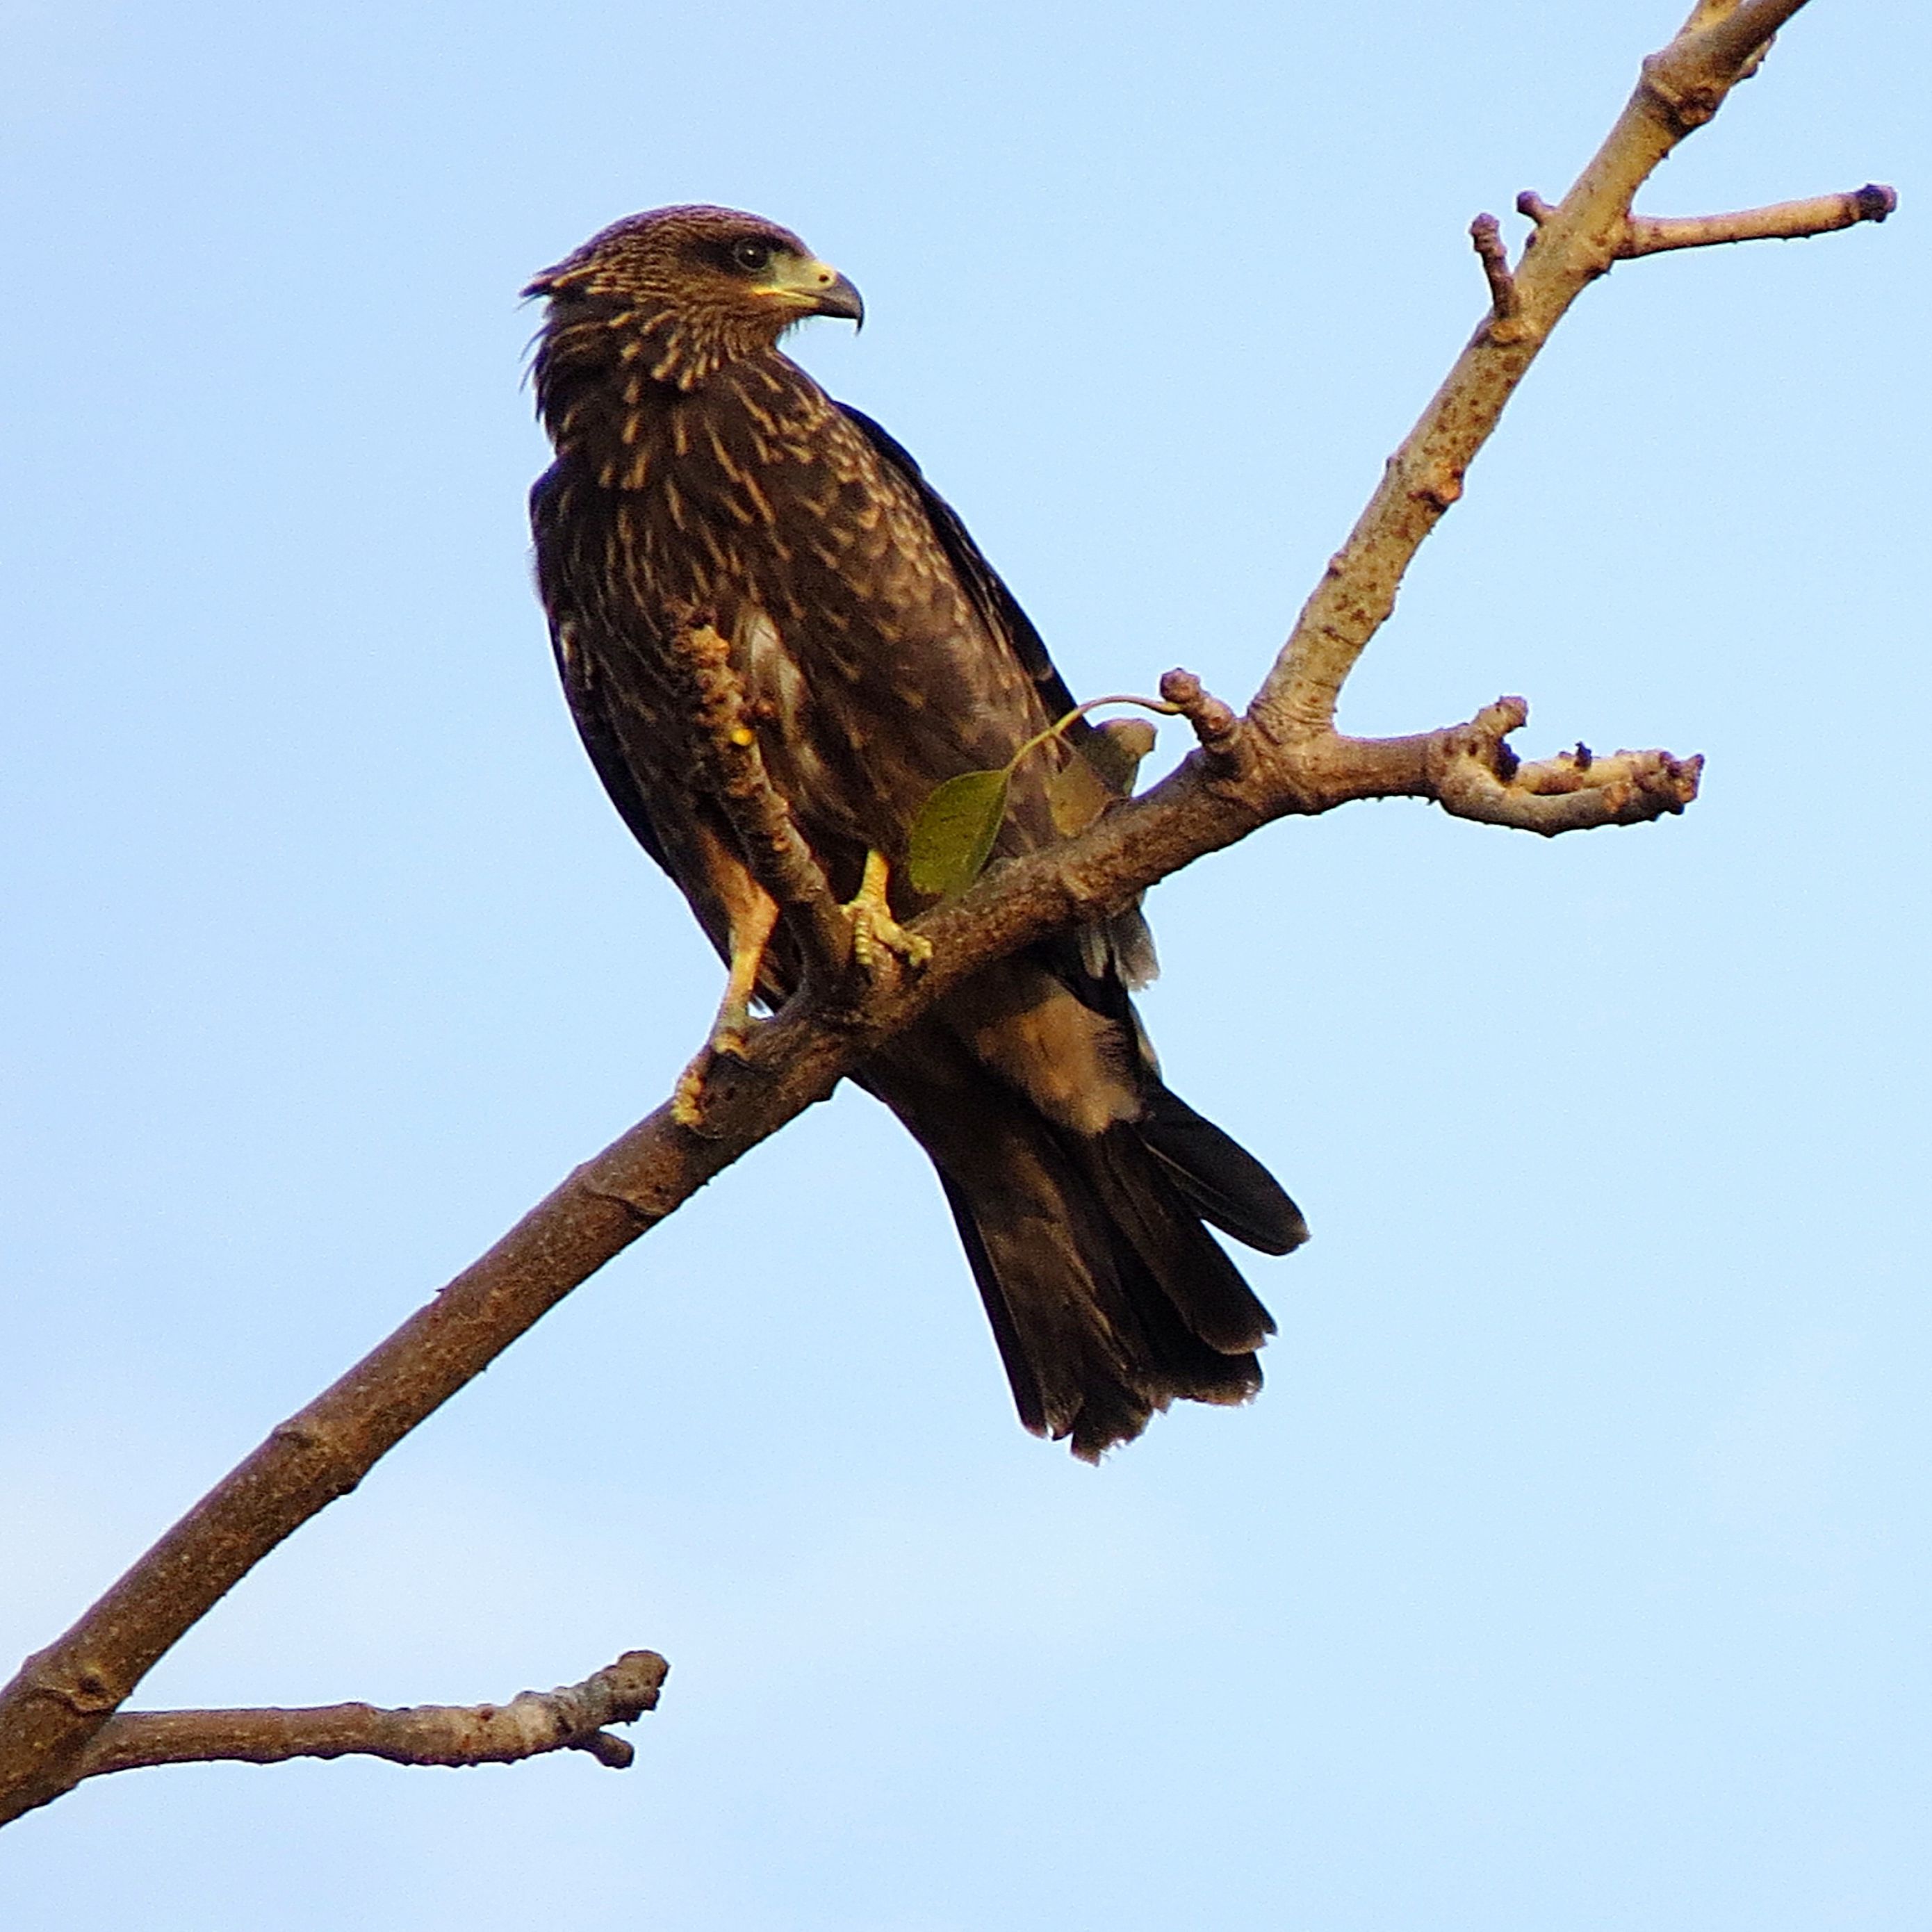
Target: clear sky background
x=1570, y=1572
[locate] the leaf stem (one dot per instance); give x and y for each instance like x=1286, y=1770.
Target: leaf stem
x=1061, y=725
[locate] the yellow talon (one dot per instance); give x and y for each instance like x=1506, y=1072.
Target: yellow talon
x=874, y=931
x=751, y=927
x=728, y=1042
x=687, y=1099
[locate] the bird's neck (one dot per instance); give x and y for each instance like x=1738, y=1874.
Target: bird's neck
x=597, y=363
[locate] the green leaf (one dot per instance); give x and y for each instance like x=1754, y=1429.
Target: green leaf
x=953, y=835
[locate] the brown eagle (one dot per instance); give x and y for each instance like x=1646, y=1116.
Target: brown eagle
x=703, y=477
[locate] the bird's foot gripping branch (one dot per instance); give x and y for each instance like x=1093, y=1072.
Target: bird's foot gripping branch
x=58, y=1716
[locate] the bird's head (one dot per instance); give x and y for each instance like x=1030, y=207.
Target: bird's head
x=711, y=283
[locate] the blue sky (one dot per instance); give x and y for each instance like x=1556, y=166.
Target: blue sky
x=1571, y=1570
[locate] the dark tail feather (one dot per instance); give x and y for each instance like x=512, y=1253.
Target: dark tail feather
x=1108, y=1299
x=1218, y=1177
x=1149, y=1220
x=1028, y=1397
x=1090, y=1345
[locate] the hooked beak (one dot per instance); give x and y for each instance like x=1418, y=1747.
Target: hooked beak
x=837, y=297
x=812, y=287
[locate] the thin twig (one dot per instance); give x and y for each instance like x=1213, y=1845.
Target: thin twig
x=1486, y=232
x=1782, y=221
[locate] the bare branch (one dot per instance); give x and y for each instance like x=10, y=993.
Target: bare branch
x=1575, y=242
x=1782, y=221
x=571, y=1717
x=62, y=1695
x=1478, y=777
x=1471, y=771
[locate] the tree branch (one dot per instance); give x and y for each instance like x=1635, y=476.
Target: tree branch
x=1284, y=758
x=571, y=1717
x=1782, y=221
x=1576, y=241
x=1476, y=776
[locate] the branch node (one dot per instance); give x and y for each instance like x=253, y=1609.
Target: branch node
x=614, y=1753
x=83, y=1687
x=1442, y=489
x=1688, y=101
x=643, y=1216
x=1487, y=732
x=1723, y=43
x=1533, y=205
x=1220, y=730
x=322, y=1449
x=1505, y=305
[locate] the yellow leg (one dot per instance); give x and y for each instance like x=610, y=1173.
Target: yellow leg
x=749, y=937
x=874, y=931
x=751, y=925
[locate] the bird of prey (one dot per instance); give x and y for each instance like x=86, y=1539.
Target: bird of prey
x=702, y=477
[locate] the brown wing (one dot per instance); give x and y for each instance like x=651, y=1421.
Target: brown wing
x=585, y=684
x=998, y=608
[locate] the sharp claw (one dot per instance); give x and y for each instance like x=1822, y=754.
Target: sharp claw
x=731, y=1042
x=875, y=933
x=687, y=1099
x=873, y=937
x=727, y=1042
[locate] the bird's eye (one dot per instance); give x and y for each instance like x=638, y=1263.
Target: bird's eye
x=752, y=254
